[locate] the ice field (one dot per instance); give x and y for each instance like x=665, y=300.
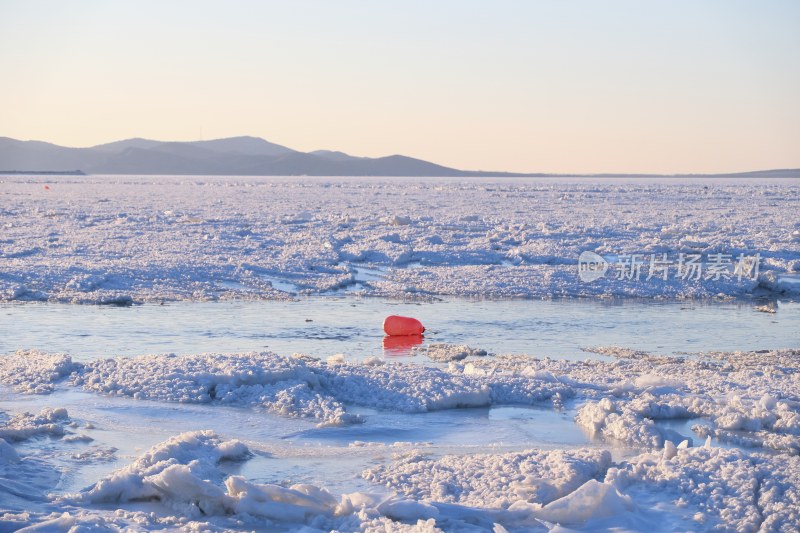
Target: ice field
x=102, y=238
x=205, y=354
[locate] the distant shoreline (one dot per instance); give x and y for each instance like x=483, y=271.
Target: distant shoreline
x=778, y=174
x=47, y=172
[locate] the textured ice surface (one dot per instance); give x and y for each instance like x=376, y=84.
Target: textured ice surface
x=533, y=476
x=718, y=488
x=752, y=393
x=292, y=386
x=115, y=239
x=184, y=474
x=24, y=426
x=119, y=240
x=179, y=471
x=705, y=488
x=749, y=399
x=32, y=371
x=443, y=352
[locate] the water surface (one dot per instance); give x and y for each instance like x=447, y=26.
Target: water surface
x=322, y=326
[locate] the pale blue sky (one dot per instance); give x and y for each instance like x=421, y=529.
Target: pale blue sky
x=561, y=86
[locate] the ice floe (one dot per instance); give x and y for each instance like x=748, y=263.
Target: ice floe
x=443, y=352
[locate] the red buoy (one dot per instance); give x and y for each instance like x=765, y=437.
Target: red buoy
x=402, y=325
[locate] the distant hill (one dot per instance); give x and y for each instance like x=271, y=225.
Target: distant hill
x=232, y=156
x=235, y=156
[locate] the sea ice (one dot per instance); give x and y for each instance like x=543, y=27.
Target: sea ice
x=124, y=239
x=743, y=397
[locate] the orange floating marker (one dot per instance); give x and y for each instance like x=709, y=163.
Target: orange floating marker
x=402, y=325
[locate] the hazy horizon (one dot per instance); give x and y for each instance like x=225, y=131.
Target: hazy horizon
x=568, y=88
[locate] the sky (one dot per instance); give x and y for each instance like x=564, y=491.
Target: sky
x=527, y=86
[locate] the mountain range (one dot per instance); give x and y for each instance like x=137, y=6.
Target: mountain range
x=234, y=156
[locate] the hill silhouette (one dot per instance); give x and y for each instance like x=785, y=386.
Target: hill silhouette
x=241, y=156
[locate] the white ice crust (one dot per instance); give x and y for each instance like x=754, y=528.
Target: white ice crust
x=747, y=399
x=118, y=240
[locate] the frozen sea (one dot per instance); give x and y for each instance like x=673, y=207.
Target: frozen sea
x=206, y=353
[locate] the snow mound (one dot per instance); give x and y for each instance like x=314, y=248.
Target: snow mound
x=24, y=426
x=620, y=423
x=533, y=476
x=399, y=387
x=35, y=372
x=190, y=379
x=179, y=472
x=591, y=501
